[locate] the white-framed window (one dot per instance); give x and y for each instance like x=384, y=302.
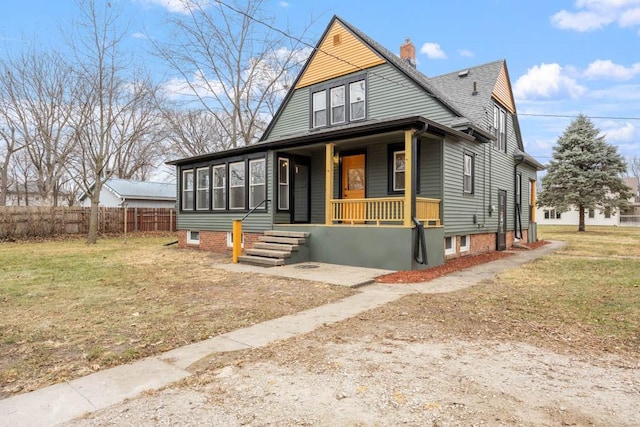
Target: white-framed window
x=257, y=183
x=607, y=211
x=230, y=240
x=518, y=189
x=319, y=108
x=465, y=243
x=283, y=184
x=237, y=185
x=193, y=237
x=552, y=214
x=357, y=98
x=187, y=189
x=202, y=188
x=219, y=187
x=450, y=245
x=398, y=170
x=337, y=105
x=500, y=125
x=468, y=173
x=592, y=213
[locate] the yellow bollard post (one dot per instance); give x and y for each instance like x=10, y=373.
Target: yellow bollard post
x=237, y=239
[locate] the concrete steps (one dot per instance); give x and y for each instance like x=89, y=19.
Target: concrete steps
x=275, y=248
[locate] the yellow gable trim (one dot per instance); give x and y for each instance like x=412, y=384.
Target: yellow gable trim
x=340, y=53
x=502, y=91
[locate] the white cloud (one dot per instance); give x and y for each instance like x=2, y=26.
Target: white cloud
x=139, y=35
x=176, y=6
x=595, y=14
x=546, y=81
x=433, y=51
x=466, y=53
x=620, y=133
x=197, y=86
x=284, y=4
x=609, y=70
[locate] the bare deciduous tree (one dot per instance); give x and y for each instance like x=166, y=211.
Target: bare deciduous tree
x=106, y=122
x=39, y=89
x=231, y=64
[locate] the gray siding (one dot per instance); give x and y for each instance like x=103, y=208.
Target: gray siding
x=318, y=186
x=431, y=169
x=391, y=94
x=459, y=208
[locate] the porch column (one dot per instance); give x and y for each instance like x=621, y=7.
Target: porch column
x=532, y=189
x=328, y=180
x=409, y=195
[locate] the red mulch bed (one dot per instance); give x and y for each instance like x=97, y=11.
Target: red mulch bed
x=452, y=265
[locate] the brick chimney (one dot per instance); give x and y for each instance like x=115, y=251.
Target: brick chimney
x=408, y=52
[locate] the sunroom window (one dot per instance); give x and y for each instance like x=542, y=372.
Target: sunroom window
x=219, y=187
x=202, y=193
x=187, y=190
x=237, y=185
x=257, y=187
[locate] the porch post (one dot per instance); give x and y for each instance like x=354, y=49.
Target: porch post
x=328, y=179
x=408, y=177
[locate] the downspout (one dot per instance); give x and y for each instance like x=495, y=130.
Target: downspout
x=517, y=229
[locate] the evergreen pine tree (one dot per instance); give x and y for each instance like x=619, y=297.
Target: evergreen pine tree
x=585, y=172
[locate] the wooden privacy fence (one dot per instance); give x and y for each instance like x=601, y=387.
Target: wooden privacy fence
x=21, y=221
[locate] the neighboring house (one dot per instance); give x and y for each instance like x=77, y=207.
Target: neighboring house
x=608, y=216
x=134, y=194
x=362, y=149
x=28, y=195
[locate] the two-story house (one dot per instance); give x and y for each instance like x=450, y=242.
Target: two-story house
x=369, y=162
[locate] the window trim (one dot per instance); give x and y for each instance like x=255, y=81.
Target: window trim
x=394, y=172
x=468, y=177
x=286, y=184
x=198, y=189
x=452, y=250
x=314, y=123
x=327, y=89
x=190, y=239
x=184, y=190
x=344, y=99
x=223, y=167
x=500, y=126
x=253, y=203
x=467, y=246
x=243, y=186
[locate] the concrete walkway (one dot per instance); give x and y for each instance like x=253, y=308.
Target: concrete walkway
x=63, y=402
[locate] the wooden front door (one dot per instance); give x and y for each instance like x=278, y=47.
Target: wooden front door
x=353, y=176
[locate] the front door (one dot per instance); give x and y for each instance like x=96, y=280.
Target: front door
x=353, y=187
x=502, y=221
x=353, y=176
x=301, y=180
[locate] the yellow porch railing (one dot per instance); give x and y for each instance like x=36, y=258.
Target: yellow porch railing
x=383, y=209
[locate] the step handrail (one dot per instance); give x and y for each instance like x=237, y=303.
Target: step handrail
x=254, y=208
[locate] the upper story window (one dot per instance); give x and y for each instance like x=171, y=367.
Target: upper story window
x=468, y=173
x=357, y=100
x=187, y=190
x=320, y=108
x=337, y=105
x=500, y=126
x=339, y=102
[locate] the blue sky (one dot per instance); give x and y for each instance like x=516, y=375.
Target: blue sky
x=564, y=57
